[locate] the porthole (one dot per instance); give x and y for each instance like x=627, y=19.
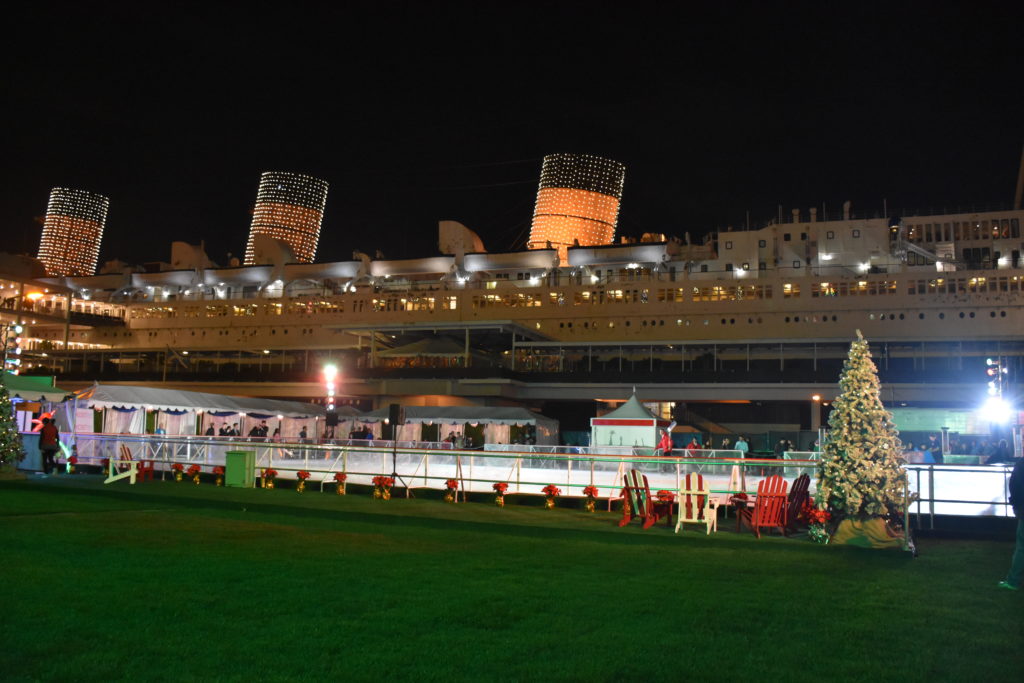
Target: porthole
x=627, y=323
x=991, y=314
x=871, y=316
x=759, y=321
x=1002, y=314
x=787, y=318
x=942, y=316
x=834, y=318
x=750, y=321
x=961, y=314
x=901, y=316
x=971, y=314
x=705, y=321
x=796, y=318
x=586, y=325
x=644, y=323
x=732, y=321
x=661, y=323
x=920, y=316
x=723, y=321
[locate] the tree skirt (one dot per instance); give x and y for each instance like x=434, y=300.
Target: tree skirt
x=869, y=533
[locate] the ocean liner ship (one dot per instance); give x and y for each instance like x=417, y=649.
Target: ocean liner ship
x=927, y=278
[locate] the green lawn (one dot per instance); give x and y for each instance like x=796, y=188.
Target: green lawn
x=178, y=582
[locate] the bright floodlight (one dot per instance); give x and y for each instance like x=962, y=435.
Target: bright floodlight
x=330, y=372
x=996, y=410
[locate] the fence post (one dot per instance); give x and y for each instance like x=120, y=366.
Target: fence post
x=931, y=496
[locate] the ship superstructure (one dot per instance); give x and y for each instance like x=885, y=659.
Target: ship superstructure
x=892, y=279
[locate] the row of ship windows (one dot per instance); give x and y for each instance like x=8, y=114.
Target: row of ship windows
x=997, y=228
x=586, y=324
x=789, y=319
x=612, y=296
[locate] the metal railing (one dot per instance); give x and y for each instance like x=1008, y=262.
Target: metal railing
x=957, y=490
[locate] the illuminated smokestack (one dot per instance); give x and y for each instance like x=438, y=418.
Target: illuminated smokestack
x=578, y=200
x=289, y=207
x=72, y=231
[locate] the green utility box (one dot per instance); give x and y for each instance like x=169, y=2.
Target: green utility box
x=240, y=468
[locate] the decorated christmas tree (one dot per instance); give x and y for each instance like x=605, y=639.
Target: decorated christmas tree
x=861, y=481
x=11, y=451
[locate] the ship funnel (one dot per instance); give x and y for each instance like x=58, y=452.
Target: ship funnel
x=814, y=214
x=577, y=202
x=796, y=215
x=846, y=209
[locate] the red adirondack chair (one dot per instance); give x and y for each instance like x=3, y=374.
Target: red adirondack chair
x=797, y=497
x=638, y=503
x=769, y=509
x=144, y=467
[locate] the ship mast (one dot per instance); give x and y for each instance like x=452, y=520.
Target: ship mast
x=1020, y=182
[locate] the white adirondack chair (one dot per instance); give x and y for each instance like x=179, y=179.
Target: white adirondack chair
x=696, y=505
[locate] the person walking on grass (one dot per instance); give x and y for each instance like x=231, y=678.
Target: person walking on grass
x=49, y=444
x=1015, y=577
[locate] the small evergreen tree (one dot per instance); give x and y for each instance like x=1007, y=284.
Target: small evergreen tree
x=11, y=450
x=861, y=475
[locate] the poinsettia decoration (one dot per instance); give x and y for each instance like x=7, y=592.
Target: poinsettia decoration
x=340, y=477
x=451, y=484
x=812, y=514
x=666, y=496
x=590, y=491
x=218, y=470
x=500, y=487
x=551, y=491
x=193, y=470
x=303, y=474
x=178, y=467
x=382, y=487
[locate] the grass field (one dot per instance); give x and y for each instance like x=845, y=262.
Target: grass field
x=176, y=582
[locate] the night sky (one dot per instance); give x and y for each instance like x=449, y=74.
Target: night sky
x=425, y=111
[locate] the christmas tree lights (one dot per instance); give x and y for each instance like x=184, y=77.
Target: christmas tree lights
x=11, y=450
x=72, y=231
x=861, y=476
x=289, y=207
x=577, y=201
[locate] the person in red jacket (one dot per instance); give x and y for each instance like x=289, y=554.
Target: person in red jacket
x=665, y=445
x=49, y=444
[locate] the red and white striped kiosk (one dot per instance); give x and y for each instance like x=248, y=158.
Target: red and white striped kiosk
x=629, y=425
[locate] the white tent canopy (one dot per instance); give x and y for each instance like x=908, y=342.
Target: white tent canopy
x=126, y=397
x=184, y=412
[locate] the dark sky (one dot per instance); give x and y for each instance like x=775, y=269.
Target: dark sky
x=415, y=112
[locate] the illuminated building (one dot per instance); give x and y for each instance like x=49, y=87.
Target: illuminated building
x=577, y=202
x=290, y=208
x=72, y=231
